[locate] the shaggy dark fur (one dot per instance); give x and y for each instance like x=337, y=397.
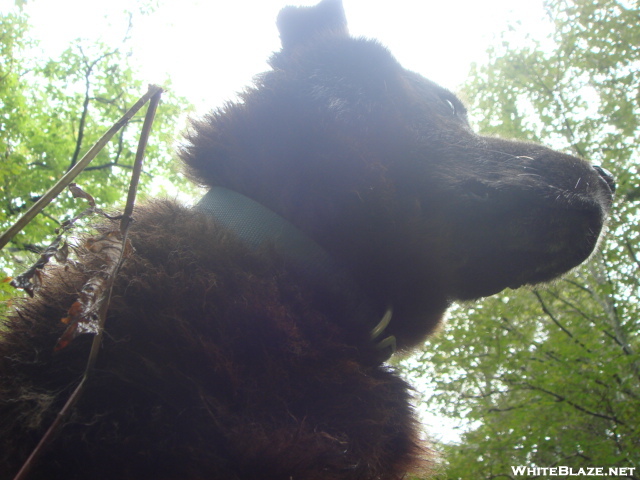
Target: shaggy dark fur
x=223, y=361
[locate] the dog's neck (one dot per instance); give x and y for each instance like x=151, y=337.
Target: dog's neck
x=258, y=227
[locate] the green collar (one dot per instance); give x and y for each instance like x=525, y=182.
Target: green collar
x=257, y=226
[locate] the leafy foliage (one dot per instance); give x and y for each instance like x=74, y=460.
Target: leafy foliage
x=550, y=377
x=51, y=112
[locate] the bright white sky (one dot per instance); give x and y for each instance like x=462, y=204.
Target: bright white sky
x=212, y=48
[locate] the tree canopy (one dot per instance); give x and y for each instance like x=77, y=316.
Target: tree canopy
x=52, y=110
x=550, y=377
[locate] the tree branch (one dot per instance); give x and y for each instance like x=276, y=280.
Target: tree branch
x=632, y=253
x=578, y=285
x=85, y=105
x=580, y=408
x=557, y=322
x=71, y=174
x=571, y=305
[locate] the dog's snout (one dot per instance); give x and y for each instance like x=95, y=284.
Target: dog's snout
x=607, y=176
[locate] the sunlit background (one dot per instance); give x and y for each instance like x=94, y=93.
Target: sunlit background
x=211, y=49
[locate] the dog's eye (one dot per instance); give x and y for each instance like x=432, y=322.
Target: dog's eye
x=451, y=106
x=454, y=107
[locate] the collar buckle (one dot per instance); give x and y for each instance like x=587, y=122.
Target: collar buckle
x=387, y=345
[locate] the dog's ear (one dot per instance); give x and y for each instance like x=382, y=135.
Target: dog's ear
x=298, y=25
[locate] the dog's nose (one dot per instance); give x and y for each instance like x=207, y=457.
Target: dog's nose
x=607, y=176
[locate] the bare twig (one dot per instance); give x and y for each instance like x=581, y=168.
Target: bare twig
x=125, y=221
x=103, y=302
x=77, y=168
x=137, y=166
x=46, y=438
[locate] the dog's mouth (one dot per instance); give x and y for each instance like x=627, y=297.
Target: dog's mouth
x=607, y=177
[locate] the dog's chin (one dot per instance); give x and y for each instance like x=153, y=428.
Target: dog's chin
x=524, y=246
x=492, y=274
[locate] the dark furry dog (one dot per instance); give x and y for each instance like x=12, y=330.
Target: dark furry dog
x=246, y=337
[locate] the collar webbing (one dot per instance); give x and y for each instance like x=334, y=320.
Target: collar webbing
x=258, y=227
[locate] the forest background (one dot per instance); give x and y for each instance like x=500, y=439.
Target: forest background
x=542, y=378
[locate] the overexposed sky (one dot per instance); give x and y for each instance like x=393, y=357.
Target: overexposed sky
x=211, y=49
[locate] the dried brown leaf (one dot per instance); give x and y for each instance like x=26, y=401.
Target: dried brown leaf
x=77, y=192
x=84, y=314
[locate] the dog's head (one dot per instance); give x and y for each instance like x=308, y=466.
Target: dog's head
x=380, y=166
